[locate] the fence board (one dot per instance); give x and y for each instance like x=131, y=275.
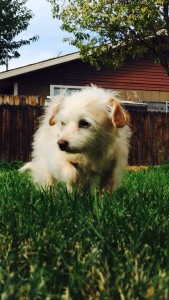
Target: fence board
x=21, y=100
x=149, y=142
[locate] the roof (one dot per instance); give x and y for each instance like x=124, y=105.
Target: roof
x=40, y=65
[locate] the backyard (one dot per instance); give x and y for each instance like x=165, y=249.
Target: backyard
x=54, y=245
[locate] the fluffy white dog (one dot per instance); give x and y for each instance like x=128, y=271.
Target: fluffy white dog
x=82, y=137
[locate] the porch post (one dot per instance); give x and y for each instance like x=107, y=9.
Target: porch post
x=15, y=91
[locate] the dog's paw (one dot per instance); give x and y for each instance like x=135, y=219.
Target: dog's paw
x=70, y=174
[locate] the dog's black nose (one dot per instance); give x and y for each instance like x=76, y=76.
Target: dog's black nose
x=63, y=145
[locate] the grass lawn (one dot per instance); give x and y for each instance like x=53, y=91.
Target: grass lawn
x=54, y=245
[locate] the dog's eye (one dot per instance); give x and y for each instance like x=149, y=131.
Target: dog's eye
x=62, y=123
x=83, y=124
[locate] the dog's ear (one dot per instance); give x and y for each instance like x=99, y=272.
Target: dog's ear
x=55, y=111
x=120, y=116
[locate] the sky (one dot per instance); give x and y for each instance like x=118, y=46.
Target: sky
x=50, y=43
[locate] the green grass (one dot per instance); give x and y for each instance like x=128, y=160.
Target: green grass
x=54, y=245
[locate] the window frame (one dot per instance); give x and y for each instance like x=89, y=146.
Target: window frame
x=64, y=87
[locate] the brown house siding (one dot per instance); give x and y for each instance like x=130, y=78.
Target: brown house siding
x=139, y=75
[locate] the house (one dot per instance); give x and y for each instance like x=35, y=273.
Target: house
x=138, y=80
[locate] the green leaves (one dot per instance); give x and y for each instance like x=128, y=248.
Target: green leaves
x=14, y=18
x=130, y=28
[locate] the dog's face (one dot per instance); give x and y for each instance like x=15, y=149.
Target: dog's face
x=87, y=120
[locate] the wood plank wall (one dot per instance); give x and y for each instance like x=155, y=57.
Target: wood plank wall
x=149, y=142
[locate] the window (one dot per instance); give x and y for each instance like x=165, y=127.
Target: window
x=56, y=89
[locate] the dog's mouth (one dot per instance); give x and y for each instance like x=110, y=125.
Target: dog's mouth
x=72, y=151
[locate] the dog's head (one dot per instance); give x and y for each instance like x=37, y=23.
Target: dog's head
x=88, y=120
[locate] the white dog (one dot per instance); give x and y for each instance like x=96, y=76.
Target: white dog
x=83, y=136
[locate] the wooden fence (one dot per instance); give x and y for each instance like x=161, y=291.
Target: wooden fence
x=20, y=100
x=17, y=126
x=150, y=138
x=149, y=142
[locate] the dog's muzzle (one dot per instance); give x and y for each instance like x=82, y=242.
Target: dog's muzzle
x=65, y=146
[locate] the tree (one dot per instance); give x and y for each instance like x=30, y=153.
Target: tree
x=14, y=18
x=108, y=32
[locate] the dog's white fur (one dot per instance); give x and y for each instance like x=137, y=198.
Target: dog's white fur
x=83, y=136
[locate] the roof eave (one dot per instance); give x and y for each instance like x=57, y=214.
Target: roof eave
x=39, y=66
